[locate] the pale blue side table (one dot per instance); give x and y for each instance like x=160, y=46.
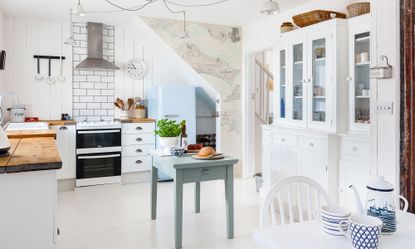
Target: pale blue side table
x=185, y=169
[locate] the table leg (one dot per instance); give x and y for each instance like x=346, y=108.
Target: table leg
x=154, y=176
x=178, y=209
x=229, y=201
x=197, y=197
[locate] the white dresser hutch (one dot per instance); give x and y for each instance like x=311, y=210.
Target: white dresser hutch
x=322, y=117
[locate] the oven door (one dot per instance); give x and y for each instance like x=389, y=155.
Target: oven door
x=98, y=165
x=97, y=139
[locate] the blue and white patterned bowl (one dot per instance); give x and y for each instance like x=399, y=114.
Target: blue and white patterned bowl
x=331, y=216
x=177, y=151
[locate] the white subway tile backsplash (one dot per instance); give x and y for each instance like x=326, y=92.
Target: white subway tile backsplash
x=94, y=78
x=93, y=90
x=86, y=85
x=100, y=99
x=93, y=105
x=107, y=92
x=79, y=92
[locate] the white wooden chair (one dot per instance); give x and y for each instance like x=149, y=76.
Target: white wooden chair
x=299, y=199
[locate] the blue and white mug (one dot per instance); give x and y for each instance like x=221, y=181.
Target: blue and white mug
x=363, y=230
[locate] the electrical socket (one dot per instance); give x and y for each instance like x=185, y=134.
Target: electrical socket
x=384, y=108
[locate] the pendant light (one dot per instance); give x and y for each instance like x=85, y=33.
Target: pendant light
x=78, y=10
x=70, y=40
x=185, y=34
x=270, y=8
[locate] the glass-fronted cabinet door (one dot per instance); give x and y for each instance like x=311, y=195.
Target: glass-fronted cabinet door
x=281, y=83
x=297, y=84
x=359, y=90
x=319, y=81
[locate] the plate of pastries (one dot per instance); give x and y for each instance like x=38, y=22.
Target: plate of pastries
x=208, y=153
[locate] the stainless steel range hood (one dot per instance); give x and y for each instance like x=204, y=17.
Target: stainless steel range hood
x=95, y=59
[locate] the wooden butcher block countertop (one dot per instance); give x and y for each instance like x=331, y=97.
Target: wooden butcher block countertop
x=31, y=134
x=31, y=154
x=136, y=120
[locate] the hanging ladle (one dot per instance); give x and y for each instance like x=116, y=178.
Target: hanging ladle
x=61, y=77
x=38, y=76
x=50, y=80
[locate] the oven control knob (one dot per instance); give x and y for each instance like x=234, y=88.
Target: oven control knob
x=139, y=139
x=139, y=128
x=139, y=150
x=138, y=162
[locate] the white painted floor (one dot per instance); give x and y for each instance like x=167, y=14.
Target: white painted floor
x=118, y=217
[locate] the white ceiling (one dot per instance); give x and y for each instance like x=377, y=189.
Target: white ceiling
x=232, y=12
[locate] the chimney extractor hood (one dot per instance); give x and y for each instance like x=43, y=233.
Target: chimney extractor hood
x=95, y=59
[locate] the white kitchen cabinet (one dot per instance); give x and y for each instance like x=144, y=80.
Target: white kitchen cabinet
x=311, y=76
x=359, y=82
x=299, y=152
x=354, y=165
x=137, y=140
x=66, y=143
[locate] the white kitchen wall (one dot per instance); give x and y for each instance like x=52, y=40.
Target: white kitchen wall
x=25, y=37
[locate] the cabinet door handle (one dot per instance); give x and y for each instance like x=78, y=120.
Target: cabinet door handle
x=139, y=139
x=282, y=139
x=63, y=128
x=139, y=128
x=354, y=149
x=139, y=150
x=349, y=78
x=138, y=162
x=308, y=80
x=205, y=171
x=304, y=81
x=311, y=144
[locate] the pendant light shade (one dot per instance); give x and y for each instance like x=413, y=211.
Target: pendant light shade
x=270, y=8
x=70, y=40
x=78, y=10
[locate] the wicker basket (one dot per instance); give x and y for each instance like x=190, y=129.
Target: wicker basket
x=315, y=16
x=357, y=9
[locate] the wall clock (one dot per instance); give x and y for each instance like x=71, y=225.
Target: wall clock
x=137, y=68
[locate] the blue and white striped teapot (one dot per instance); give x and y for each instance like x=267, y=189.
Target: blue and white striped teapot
x=381, y=202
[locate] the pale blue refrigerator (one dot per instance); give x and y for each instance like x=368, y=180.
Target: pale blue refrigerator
x=177, y=102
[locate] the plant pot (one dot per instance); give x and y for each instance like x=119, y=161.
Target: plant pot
x=167, y=143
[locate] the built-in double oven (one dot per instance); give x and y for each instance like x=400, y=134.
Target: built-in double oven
x=98, y=155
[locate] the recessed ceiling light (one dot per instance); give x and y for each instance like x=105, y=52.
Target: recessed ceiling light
x=270, y=8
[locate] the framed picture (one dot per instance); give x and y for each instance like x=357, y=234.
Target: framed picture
x=2, y=59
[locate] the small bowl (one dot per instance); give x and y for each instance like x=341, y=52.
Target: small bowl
x=177, y=151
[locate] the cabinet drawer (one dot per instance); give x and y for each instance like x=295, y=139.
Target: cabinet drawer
x=350, y=148
x=137, y=150
x=134, y=128
x=204, y=174
x=285, y=139
x=313, y=143
x=136, y=164
x=138, y=139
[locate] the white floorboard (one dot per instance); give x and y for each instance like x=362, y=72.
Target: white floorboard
x=114, y=216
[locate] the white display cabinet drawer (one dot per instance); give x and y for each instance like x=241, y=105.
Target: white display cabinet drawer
x=313, y=143
x=138, y=139
x=134, y=128
x=350, y=149
x=284, y=139
x=136, y=164
x=137, y=150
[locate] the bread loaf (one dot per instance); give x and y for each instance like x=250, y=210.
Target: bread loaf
x=206, y=152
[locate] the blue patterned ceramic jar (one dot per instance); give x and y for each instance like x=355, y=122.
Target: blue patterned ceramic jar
x=177, y=151
x=363, y=230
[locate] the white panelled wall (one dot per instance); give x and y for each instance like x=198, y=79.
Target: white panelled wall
x=25, y=37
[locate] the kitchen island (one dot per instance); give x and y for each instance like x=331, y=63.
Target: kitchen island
x=28, y=194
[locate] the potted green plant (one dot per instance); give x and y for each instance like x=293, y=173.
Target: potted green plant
x=168, y=132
